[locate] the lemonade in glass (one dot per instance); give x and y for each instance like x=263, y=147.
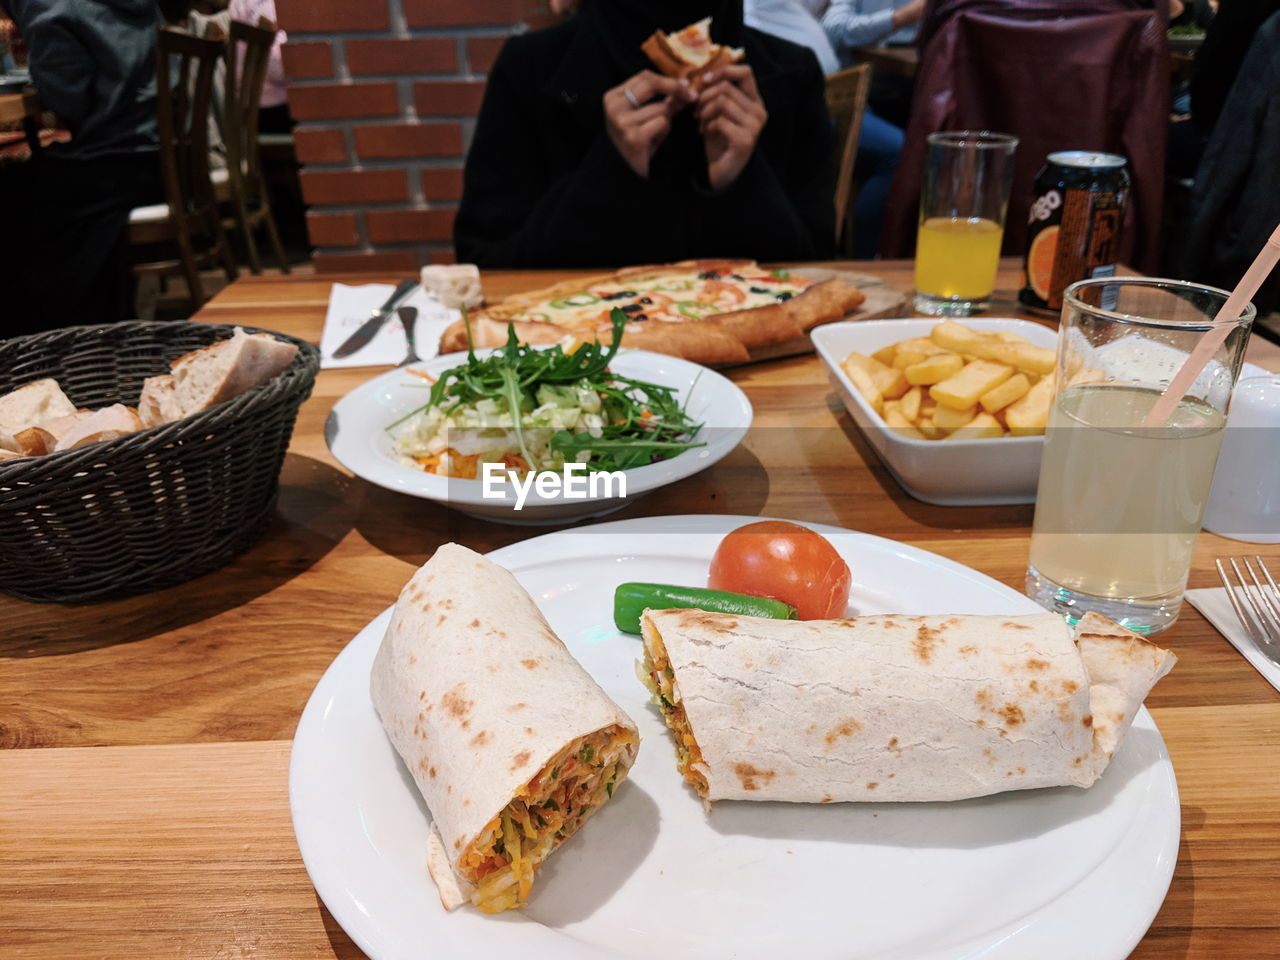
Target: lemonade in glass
x=1119, y=503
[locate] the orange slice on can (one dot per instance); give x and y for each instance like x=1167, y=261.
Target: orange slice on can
x=1040, y=257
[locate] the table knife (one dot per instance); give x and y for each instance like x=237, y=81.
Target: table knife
x=376, y=319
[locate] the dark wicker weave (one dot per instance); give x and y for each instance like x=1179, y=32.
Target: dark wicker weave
x=154, y=508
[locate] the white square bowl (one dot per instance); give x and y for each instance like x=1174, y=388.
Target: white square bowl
x=950, y=473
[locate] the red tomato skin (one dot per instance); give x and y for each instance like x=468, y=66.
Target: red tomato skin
x=784, y=561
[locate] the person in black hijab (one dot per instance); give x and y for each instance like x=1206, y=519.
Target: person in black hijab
x=584, y=156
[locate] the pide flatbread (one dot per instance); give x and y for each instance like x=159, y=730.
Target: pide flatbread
x=907, y=708
x=510, y=742
x=714, y=312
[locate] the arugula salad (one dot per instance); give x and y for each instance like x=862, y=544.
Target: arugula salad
x=536, y=409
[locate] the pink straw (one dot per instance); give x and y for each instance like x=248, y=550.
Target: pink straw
x=1224, y=321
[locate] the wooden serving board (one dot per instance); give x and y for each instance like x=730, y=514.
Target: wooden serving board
x=882, y=301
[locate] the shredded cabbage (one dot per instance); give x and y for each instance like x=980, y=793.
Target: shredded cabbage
x=484, y=429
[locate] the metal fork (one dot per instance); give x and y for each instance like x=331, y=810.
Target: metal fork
x=408, y=320
x=1256, y=602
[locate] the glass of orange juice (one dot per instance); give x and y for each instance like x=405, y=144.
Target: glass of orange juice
x=963, y=199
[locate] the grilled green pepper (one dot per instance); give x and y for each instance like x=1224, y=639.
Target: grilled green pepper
x=630, y=600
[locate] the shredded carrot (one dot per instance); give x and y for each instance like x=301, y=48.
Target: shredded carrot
x=513, y=461
x=462, y=466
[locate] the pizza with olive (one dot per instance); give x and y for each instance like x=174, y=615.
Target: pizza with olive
x=708, y=311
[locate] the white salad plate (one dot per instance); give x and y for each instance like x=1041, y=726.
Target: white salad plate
x=1051, y=874
x=357, y=435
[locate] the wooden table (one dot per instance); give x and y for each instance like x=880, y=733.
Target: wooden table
x=19, y=106
x=143, y=798
x=900, y=60
x=24, y=108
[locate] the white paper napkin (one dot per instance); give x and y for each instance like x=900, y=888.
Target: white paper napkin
x=350, y=306
x=1216, y=607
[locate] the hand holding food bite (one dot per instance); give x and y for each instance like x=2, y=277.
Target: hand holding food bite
x=637, y=115
x=730, y=117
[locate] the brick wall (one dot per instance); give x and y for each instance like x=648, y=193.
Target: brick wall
x=385, y=93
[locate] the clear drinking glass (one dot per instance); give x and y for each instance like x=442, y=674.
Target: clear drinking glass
x=1119, y=504
x=963, y=200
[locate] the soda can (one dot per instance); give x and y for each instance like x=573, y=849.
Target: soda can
x=1073, y=228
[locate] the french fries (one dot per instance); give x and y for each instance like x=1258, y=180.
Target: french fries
x=999, y=397
x=934, y=369
x=865, y=383
x=1028, y=415
x=981, y=345
x=961, y=390
x=959, y=383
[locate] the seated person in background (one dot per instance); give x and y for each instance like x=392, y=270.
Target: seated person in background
x=799, y=21
x=273, y=115
x=583, y=155
x=66, y=212
x=868, y=23
x=863, y=23
x=876, y=23
x=209, y=19
x=1226, y=41
x=1186, y=140
x=212, y=18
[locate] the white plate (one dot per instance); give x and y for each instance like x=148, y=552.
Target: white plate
x=946, y=472
x=1046, y=874
x=357, y=436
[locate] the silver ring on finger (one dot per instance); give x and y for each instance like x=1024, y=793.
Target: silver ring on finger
x=631, y=98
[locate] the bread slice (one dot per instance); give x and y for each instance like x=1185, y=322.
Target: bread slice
x=29, y=405
x=37, y=441
x=49, y=432
x=106, y=423
x=212, y=375
x=154, y=399
x=689, y=52
x=454, y=284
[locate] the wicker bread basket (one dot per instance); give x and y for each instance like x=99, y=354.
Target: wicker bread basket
x=154, y=508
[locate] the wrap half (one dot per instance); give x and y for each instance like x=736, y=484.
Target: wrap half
x=511, y=743
x=893, y=707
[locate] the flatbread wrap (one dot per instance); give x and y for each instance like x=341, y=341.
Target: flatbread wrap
x=910, y=708
x=511, y=743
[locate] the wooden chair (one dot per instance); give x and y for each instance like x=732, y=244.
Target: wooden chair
x=246, y=190
x=188, y=219
x=846, y=101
